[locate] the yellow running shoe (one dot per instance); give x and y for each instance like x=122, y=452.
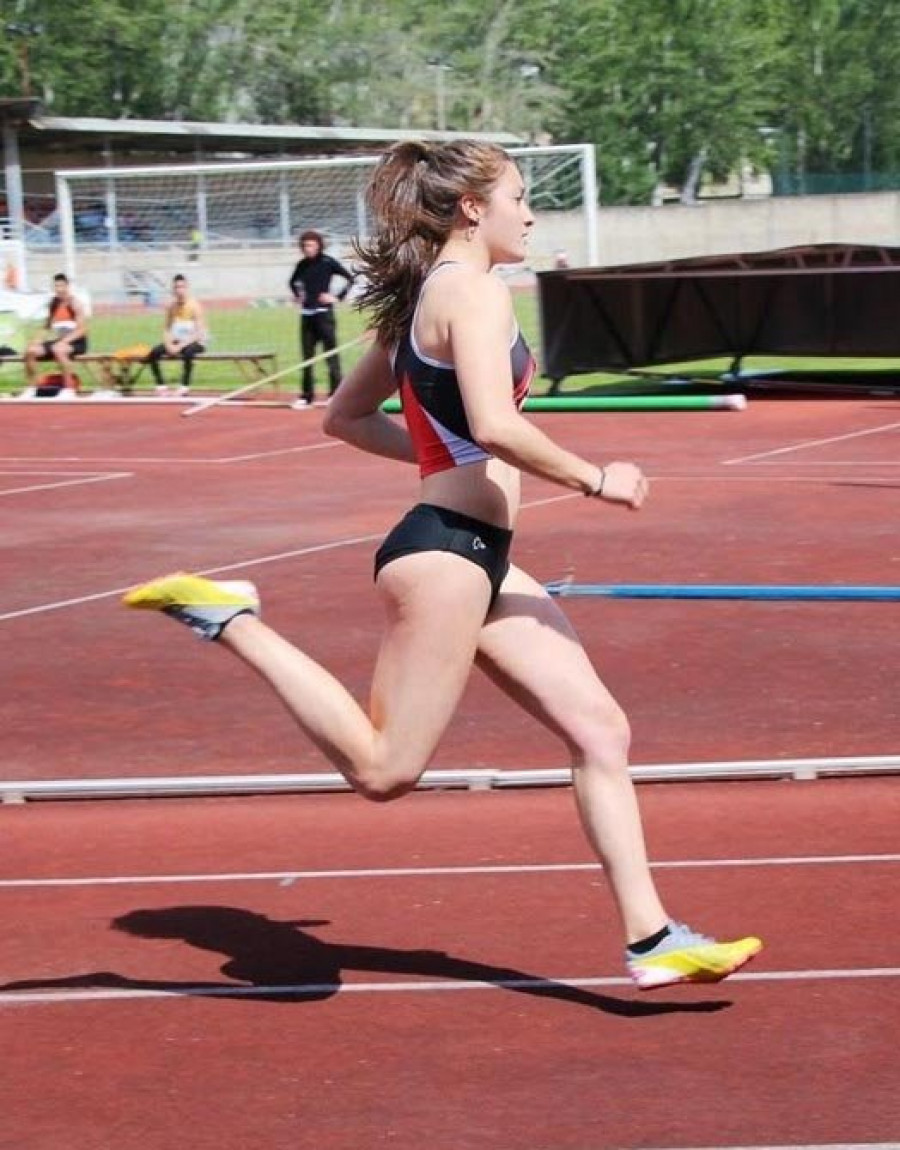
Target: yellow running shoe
x=685, y=956
x=202, y=604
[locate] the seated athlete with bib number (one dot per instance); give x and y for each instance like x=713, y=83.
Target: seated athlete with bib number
x=185, y=337
x=67, y=323
x=445, y=215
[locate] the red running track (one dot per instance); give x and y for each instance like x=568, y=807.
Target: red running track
x=95, y=499
x=400, y=1045
x=114, y=1043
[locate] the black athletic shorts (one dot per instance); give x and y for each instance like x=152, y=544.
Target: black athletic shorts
x=79, y=347
x=430, y=528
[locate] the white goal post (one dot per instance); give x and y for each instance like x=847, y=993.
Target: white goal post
x=13, y=267
x=124, y=231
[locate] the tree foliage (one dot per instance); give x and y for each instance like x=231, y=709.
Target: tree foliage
x=670, y=91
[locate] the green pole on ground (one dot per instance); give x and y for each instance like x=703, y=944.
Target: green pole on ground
x=622, y=403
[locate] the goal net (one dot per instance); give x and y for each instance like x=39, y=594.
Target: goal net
x=232, y=230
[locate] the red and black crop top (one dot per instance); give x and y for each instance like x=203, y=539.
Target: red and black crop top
x=433, y=407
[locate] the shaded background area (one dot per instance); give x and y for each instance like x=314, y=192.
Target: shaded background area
x=821, y=300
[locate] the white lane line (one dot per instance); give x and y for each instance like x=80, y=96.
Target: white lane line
x=809, y=443
x=78, y=482
x=793, y=1146
x=239, y=990
x=830, y=463
x=164, y=459
x=327, y=445
x=832, y=480
x=286, y=878
x=44, y=471
x=259, y=561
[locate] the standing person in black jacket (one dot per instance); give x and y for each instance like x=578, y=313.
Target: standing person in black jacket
x=310, y=284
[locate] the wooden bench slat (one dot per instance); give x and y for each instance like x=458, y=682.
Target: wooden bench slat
x=111, y=357
x=131, y=367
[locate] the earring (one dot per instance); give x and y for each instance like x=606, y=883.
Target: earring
x=471, y=230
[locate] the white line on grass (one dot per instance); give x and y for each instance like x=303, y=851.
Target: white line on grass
x=287, y=878
x=306, y=989
x=806, y=444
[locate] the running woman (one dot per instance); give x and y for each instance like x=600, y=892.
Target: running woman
x=446, y=214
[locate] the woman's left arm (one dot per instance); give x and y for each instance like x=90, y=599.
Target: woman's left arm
x=354, y=413
x=480, y=324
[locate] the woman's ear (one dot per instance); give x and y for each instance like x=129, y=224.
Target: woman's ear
x=471, y=209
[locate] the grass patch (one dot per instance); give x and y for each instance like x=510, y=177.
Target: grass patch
x=276, y=329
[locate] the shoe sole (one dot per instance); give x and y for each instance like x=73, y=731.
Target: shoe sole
x=697, y=979
x=149, y=596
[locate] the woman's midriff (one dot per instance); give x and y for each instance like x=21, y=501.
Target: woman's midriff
x=489, y=491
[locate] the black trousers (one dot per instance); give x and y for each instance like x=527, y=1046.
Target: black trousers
x=319, y=328
x=186, y=355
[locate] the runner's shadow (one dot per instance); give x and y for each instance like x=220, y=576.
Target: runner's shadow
x=282, y=962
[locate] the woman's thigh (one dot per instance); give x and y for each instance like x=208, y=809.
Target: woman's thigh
x=529, y=649
x=435, y=604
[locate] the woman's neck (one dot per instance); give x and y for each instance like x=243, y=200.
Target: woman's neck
x=459, y=250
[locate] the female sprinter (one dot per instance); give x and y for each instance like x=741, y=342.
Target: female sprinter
x=445, y=215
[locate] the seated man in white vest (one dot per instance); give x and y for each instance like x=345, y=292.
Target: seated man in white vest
x=185, y=336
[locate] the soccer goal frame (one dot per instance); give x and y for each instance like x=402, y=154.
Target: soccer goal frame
x=113, y=218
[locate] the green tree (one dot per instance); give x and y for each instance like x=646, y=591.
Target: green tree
x=838, y=101
x=670, y=91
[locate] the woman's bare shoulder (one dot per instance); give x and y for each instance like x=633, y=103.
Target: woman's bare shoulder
x=466, y=288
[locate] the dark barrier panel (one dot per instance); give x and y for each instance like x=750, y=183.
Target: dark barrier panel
x=824, y=300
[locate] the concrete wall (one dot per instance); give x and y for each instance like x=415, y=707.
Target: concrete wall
x=626, y=235
x=645, y=235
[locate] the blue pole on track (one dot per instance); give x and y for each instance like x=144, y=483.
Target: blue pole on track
x=762, y=591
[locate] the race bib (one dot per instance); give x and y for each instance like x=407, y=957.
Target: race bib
x=183, y=329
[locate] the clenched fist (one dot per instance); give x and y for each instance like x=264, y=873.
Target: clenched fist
x=624, y=483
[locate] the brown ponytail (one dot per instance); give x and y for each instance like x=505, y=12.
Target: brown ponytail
x=413, y=198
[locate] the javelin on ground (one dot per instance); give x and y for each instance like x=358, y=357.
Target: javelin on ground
x=759, y=591
x=215, y=400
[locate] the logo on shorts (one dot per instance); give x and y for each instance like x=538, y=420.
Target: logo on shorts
x=478, y=544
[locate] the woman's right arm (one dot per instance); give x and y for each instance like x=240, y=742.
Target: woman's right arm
x=354, y=413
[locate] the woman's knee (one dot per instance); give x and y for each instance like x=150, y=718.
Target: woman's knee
x=380, y=789
x=387, y=779
x=383, y=785
x=603, y=737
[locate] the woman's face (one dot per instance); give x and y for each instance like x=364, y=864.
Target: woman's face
x=506, y=219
